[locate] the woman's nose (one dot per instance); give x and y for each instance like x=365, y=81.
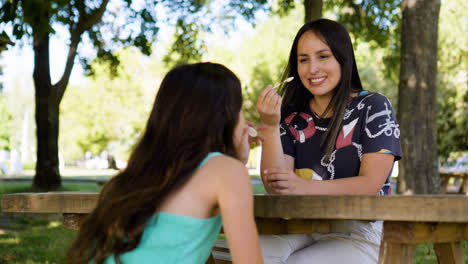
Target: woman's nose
x=313, y=67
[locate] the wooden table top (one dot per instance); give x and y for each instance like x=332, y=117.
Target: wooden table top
x=414, y=208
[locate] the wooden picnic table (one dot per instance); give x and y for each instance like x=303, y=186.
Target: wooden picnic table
x=408, y=220
x=446, y=176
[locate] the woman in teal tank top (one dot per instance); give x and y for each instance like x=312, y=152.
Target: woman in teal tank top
x=184, y=179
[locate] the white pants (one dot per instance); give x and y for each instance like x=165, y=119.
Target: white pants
x=350, y=241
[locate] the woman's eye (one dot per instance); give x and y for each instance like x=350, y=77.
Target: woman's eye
x=324, y=56
x=302, y=60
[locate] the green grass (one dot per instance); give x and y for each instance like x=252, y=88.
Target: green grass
x=32, y=239
x=35, y=240
x=424, y=253
x=258, y=188
x=16, y=187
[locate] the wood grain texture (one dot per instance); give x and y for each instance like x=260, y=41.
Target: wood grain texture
x=414, y=208
x=50, y=202
x=417, y=232
x=73, y=221
x=391, y=253
x=449, y=253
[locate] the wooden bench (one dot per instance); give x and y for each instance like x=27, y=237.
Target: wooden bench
x=408, y=220
x=446, y=176
x=220, y=253
x=101, y=182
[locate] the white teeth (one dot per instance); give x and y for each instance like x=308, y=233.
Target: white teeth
x=317, y=79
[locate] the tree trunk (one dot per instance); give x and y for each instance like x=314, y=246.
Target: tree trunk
x=313, y=9
x=418, y=169
x=47, y=176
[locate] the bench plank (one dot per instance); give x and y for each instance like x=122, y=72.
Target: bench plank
x=449, y=252
x=416, y=232
x=50, y=202
x=414, y=208
x=440, y=219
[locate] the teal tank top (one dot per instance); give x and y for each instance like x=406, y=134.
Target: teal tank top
x=171, y=238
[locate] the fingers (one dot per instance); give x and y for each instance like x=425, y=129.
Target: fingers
x=278, y=180
x=278, y=102
x=278, y=184
x=269, y=106
x=243, y=144
x=276, y=177
x=263, y=93
x=280, y=191
x=256, y=139
x=279, y=188
x=275, y=171
x=268, y=98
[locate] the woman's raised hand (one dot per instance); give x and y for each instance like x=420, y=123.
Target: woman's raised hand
x=269, y=106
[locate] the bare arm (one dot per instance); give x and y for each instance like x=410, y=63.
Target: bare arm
x=269, y=108
x=375, y=168
x=235, y=199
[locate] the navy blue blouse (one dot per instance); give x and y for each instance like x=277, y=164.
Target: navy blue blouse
x=369, y=127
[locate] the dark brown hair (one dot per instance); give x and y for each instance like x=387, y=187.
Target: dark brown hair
x=195, y=113
x=296, y=97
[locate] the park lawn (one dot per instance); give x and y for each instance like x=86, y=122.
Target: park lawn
x=36, y=239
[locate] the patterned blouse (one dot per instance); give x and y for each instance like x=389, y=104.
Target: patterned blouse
x=369, y=127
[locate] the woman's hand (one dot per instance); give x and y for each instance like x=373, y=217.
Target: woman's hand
x=246, y=140
x=258, y=138
x=285, y=181
x=243, y=144
x=269, y=106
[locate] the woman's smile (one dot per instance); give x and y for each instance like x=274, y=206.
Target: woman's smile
x=317, y=81
x=317, y=67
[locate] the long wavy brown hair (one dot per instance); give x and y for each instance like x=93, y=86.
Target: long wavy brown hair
x=194, y=113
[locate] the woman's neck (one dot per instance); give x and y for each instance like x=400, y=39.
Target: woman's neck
x=320, y=104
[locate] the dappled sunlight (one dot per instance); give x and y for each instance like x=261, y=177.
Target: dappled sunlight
x=54, y=224
x=10, y=240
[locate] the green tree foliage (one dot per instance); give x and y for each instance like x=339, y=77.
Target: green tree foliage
x=19, y=100
x=202, y=17
x=452, y=98
x=373, y=71
x=259, y=59
x=108, y=26
x=5, y=124
x=109, y=112
x=34, y=20
x=259, y=67
x=368, y=20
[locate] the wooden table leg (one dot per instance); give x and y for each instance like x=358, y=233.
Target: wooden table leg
x=444, y=181
x=449, y=253
x=464, y=186
x=72, y=221
x=210, y=260
x=395, y=253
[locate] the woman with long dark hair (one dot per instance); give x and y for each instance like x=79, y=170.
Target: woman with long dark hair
x=326, y=135
x=184, y=175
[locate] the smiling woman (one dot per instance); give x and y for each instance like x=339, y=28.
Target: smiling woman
x=318, y=70
x=326, y=135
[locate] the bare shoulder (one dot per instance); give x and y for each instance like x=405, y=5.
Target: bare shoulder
x=225, y=170
x=225, y=165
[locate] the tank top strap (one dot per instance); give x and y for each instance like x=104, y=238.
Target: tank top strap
x=210, y=155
